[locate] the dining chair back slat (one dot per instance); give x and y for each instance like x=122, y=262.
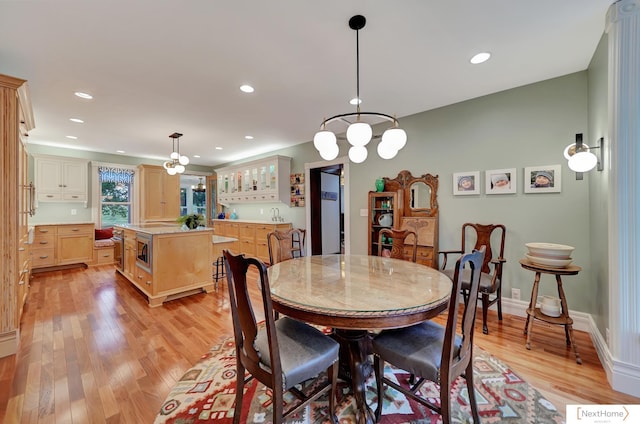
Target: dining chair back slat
x=279, y=353
x=432, y=352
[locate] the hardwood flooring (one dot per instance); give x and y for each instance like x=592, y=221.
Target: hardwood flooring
x=92, y=351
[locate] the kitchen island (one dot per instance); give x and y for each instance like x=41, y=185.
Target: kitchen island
x=166, y=262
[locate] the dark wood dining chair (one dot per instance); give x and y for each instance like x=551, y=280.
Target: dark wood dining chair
x=397, y=242
x=281, y=353
x=491, y=277
x=284, y=245
x=434, y=352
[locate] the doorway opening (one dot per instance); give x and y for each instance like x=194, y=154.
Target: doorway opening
x=327, y=218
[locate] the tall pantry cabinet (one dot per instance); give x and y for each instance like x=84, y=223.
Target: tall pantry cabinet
x=160, y=194
x=16, y=203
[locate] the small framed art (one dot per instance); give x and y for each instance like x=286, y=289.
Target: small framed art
x=465, y=183
x=501, y=181
x=543, y=179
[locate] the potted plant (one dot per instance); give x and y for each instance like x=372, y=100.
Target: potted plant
x=192, y=221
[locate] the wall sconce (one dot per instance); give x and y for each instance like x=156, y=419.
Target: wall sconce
x=581, y=159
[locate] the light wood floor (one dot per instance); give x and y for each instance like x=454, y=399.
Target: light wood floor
x=92, y=351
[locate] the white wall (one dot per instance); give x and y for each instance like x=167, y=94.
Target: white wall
x=330, y=214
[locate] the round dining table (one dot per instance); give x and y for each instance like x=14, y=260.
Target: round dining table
x=355, y=294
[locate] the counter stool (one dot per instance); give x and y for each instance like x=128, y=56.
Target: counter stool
x=219, y=272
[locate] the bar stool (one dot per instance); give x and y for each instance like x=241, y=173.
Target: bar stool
x=219, y=270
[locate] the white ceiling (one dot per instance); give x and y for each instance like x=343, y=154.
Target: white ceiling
x=160, y=66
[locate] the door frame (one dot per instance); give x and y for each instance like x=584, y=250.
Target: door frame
x=344, y=161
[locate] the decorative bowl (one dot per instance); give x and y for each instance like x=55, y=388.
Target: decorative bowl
x=551, y=311
x=550, y=250
x=549, y=262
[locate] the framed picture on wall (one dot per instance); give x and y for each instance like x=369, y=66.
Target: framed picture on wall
x=543, y=179
x=501, y=181
x=465, y=183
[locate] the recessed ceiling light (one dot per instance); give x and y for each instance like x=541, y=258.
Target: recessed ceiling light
x=480, y=58
x=119, y=151
x=246, y=88
x=218, y=148
x=76, y=120
x=196, y=156
x=72, y=137
x=83, y=95
x=248, y=137
x=355, y=101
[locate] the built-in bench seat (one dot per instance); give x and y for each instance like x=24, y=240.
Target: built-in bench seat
x=103, y=249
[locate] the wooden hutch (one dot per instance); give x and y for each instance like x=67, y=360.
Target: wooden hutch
x=407, y=202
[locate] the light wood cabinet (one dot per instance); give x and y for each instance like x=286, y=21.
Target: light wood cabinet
x=75, y=244
x=61, y=245
x=60, y=179
x=252, y=236
x=180, y=264
x=262, y=180
x=16, y=119
x=129, y=253
x=247, y=238
x=43, y=250
x=103, y=255
x=160, y=194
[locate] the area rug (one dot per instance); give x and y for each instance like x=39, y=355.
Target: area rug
x=206, y=393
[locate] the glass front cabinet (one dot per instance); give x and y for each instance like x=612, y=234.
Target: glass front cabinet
x=263, y=180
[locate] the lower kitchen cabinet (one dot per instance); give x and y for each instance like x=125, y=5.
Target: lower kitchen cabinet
x=251, y=235
x=62, y=245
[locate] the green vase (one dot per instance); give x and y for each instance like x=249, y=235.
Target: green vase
x=379, y=184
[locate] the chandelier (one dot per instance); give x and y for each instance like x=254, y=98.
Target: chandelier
x=176, y=163
x=200, y=188
x=359, y=133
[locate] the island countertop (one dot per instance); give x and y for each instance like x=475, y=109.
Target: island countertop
x=154, y=228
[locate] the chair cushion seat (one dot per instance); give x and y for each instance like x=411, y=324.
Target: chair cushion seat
x=305, y=351
x=485, y=280
x=416, y=349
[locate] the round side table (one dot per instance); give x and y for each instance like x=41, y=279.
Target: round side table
x=535, y=313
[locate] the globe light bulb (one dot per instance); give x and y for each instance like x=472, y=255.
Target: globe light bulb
x=358, y=154
x=323, y=138
x=174, y=155
x=386, y=149
x=359, y=134
x=179, y=169
x=171, y=171
x=184, y=160
x=396, y=137
x=330, y=152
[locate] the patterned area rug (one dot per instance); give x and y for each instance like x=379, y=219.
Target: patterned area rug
x=206, y=393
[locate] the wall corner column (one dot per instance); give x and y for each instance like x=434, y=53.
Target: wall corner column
x=623, y=29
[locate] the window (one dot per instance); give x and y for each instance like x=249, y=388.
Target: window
x=116, y=196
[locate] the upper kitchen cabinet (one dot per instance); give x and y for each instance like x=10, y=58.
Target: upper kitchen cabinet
x=262, y=180
x=160, y=194
x=61, y=179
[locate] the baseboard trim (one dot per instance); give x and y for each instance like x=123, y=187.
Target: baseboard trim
x=9, y=343
x=622, y=377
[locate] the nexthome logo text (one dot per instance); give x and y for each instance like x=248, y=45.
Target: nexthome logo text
x=603, y=414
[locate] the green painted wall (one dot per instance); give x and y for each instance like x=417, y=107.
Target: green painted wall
x=525, y=126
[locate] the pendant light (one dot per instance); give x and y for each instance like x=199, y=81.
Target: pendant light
x=176, y=163
x=359, y=133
